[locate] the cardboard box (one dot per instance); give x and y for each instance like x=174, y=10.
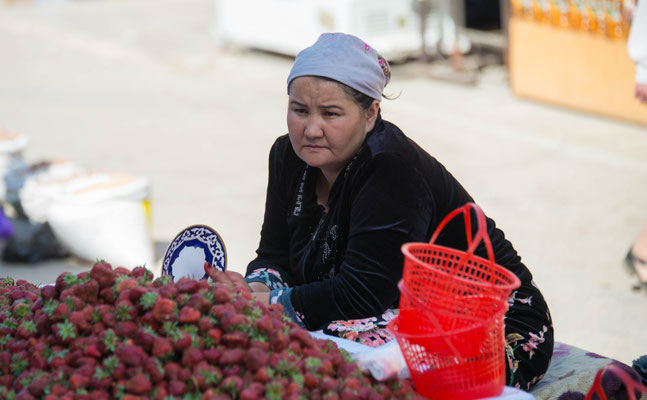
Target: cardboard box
x=574, y=69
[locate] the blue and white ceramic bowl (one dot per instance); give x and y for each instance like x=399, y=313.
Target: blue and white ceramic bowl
x=191, y=248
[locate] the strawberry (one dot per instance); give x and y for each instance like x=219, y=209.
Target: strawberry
x=108, y=295
x=125, y=329
x=232, y=320
x=219, y=310
x=210, y=394
x=37, y=386
x=138, y=384
x=311, y=380
x=221, y=295
x=109, y=319
x=199, y=302
x=103, y=274
x=80, y=320
x=252, y=392
x=180, y=340
x=231, y=356
x=172, y=371
x=119, y=372
x=191, y=356
x=60, y=312
x=256, y=358
x=48, y=292
x=212, y=355
x=232, y=369
x=168, y=291
x=144, y=337
x=176, y=388
x=162, y=346
x=232, y=384
x=136, y=293
x=97, y=328
x=215, y=334
x=264, y=324
x=184, y=374
x=279, y=341
x=206, y=323
x=121, y=271
x=64, y=280
x=79, y=381
x=189, y=315
x=164, y=310
x=131, y=355
x=65, y=331
x=81, y=361
x=187, y=285
x=154, y=369
x=125, y=310
x=160, y=391
x=140, y=273
x=85, y=370
x=87, y=291
x=235, y=339
x=302, y=336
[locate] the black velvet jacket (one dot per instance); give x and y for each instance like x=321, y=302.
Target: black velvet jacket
x=345, y=264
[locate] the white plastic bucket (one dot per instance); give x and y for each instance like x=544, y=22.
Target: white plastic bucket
x=105, y=216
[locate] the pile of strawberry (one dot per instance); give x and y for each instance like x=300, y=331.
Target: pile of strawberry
x=119, y=334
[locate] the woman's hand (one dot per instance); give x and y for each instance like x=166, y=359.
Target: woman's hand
x=641, y=92
x=233, y=280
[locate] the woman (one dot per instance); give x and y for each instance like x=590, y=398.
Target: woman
x=346, y=189
x=636, y=259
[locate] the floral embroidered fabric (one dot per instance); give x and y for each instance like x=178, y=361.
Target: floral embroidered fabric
x=267, y=276
x=368, y=331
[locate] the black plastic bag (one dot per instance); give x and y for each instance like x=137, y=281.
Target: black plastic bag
x=31, y=243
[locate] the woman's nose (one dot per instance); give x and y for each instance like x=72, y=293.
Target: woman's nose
x=313, y=129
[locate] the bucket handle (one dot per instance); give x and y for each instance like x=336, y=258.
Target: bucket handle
x=481, y=231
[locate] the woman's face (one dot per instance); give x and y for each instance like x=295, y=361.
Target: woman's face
x=325, y=126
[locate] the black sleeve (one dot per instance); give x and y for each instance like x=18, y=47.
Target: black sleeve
x=273, y=248
x=391, y=205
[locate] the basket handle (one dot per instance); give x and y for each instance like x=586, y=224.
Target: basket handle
x=630, y=384
x=481, y=231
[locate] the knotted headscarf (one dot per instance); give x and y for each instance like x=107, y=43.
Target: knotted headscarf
x=346, y=59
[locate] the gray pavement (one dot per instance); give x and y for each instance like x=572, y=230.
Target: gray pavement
x=139, y=87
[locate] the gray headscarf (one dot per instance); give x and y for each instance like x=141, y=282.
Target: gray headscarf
x=346, y=59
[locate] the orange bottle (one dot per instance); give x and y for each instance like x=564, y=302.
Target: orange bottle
x=563, y=7
x=553, y=12
x=614, y=20
x=540, y=10
x=574, y=14
x=589, y=19
x=516, y=8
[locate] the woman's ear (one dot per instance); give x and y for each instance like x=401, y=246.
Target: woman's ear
x=371, y=115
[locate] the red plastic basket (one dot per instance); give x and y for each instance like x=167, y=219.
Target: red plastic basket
x=450, y=327
x=417, y=317
x=437, y=372
x=459, y=286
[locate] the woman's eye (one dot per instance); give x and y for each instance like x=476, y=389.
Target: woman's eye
x=330, y=114
x=299, y=111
